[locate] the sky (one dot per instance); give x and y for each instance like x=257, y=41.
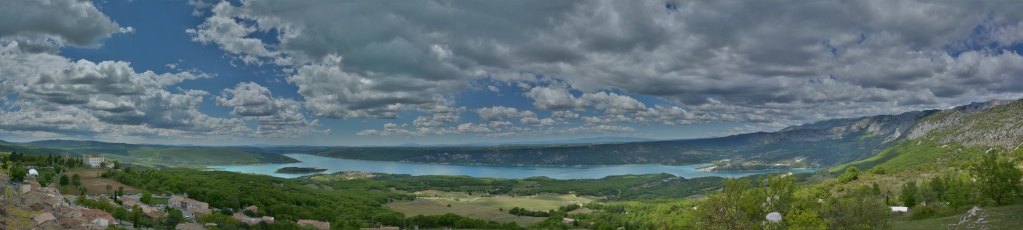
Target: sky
x=358, y=73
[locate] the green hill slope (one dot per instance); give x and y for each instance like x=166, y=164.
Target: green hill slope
x=152, y=155
x=942, y=156
x=952, y=137
x=32, y=150
x=196, y=157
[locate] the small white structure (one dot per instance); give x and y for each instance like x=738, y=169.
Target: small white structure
x=900, y=209
x=33, y=172
x=774, y=217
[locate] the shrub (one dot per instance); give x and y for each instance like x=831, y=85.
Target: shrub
x=923, y=212
x=880, y=170
x=850, y=174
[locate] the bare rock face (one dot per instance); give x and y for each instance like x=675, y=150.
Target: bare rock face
x=996, y=123
x=889, y=126
x=989, y=124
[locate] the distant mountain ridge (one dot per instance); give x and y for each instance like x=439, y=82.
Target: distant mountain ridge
x=819, y=144
x=590, y=140
x=150, y=155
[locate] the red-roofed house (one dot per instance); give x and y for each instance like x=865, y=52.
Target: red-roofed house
x=316, y=224
x=98, y=217
x=46, y=216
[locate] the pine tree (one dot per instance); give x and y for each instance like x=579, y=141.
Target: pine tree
x=64, y=181
x=909, y=194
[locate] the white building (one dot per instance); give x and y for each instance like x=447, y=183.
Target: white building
x=93, y=160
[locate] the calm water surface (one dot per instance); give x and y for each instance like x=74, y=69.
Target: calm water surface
x=495, y=171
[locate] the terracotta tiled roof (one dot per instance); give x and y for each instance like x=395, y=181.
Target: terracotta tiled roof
x=46, y=216
x=317, y=224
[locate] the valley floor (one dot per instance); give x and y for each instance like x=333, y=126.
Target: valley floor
x=484, y=207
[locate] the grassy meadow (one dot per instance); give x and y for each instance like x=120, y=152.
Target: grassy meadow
x=93, y=183
x=994, y=217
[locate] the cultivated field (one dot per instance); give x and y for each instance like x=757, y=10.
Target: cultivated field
x=487, y=208
x=95, y=184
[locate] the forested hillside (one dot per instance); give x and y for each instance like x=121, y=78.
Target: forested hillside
x=151, y=155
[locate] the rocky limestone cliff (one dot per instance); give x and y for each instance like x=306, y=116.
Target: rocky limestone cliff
x=995, y=123
x=892, y=127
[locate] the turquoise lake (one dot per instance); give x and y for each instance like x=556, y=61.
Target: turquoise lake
x=495, y=171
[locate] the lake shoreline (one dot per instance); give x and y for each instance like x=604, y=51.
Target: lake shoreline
x=334, y=165
x=484, y=164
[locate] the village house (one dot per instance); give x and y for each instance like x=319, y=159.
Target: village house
x=382, y=228
x=44, y=217
x=69, y=212
x=46, y=220
x=25, y=188
x=240, y=217
x=42, y=198
x=53, y=202
x=185, y=203
x=98, y=218
x=129, y=202
x=189, y=206
x=33, y=199
x=199, y=211
x=93, y=160
x=151, y=212
x=252, y=208
x=252, y=220
x=316, y=224
x=4, y=180
x=189, y=226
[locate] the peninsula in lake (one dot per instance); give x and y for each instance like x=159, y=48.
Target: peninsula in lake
x=300, y=170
